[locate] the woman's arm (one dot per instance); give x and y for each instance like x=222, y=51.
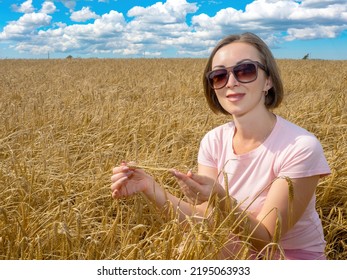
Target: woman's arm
x=286, y=202
x=287, y=199
x=127, y=181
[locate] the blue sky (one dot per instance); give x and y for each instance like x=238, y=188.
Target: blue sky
x=171, y=28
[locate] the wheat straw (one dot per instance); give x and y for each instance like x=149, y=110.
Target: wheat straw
x=78, y=117
x=152, y=168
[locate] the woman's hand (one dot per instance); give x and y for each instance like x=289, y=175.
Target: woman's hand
x=127, y=181
x=197, y=188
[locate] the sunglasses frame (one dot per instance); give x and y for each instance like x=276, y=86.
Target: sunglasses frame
x=231, y=70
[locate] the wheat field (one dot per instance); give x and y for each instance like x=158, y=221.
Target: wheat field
x=65, y=123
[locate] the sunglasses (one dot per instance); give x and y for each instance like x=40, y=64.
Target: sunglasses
x=244, y=72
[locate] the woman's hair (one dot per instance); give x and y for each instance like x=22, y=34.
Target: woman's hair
x=275, y=94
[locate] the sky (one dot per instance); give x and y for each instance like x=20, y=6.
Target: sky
x=172, y=28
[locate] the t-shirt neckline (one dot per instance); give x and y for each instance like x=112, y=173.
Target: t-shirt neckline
x=257, y=149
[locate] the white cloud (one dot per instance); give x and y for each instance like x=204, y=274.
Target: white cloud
x=111, y=23
x=172, y=11
x=313, y=32
x=101, y=36
x=83, y=15
x=151, y=54
x=154, y=29
x=25, y=26
x=267, y=17
x=69, y=4
x=25, y=7
x=322, y=3
x=259, y=16
x=328, y=14
x=159, y=26
x=276, y=10
x=48, y=7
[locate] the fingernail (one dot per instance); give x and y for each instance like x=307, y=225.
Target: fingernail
x=178, y=174
x=114, y=194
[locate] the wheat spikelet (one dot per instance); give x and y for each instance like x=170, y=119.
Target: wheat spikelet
x=153, y=168
x=290, y=201
x=78, y=117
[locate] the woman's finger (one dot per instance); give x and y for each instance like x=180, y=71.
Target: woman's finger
x=119, y=169
x=118, y=176
x=187, y=180
x=117, y=185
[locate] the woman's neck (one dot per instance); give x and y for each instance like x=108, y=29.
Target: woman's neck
x=250, y=132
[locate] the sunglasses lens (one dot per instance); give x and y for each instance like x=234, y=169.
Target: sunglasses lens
x=218, y=78
x=246, y=72
x=243, y=73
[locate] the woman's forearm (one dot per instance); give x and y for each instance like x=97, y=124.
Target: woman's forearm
x=256, y=230
x=169, y=203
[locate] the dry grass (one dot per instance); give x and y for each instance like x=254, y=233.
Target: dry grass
x=65, y=123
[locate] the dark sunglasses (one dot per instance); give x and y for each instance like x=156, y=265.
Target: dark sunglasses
x=244, y=72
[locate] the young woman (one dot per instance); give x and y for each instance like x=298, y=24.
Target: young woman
x=272, y=166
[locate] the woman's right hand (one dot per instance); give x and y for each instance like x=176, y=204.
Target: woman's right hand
x=127, y=181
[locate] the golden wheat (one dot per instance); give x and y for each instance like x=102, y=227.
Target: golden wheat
x=65, y=123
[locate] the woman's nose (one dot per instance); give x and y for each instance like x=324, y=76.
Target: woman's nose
x=232, y=82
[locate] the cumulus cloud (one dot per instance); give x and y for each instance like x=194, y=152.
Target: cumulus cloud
x=154, y=29
x=101, y=36
x=172, y=11
x=25, y=26
x=268, y=16
x=69, y=4
x=25, y=7
x=313, y=32
x=159, y=26
x=48, y=7
x=83, y=15
x=322, y=3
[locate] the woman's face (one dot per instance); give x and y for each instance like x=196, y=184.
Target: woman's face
x=235, y=97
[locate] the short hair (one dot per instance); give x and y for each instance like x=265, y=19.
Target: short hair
x=275, y=94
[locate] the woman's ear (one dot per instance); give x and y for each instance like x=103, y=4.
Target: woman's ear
x=268, y=84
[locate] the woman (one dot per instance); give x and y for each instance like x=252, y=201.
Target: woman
x=271, y=166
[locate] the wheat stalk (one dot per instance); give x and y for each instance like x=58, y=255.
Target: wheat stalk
x=78, y=117
x=152, y=168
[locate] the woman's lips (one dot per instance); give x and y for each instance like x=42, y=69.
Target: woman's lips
x=234, y=97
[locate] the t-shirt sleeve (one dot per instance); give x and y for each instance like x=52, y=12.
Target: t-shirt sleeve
x=207, y=153
x=304, y=158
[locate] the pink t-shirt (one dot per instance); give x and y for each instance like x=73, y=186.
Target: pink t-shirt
x=288, y=151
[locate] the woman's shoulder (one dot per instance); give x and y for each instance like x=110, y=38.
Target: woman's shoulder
x=298, y=152
x=221, y=131
x=294, y=136
x=292, y=130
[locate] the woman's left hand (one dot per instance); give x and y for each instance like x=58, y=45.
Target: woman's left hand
x=197, y=188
